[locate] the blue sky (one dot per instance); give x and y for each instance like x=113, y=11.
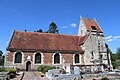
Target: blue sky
x=36, y=14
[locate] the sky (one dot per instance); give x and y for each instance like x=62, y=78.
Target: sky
x=37, y=14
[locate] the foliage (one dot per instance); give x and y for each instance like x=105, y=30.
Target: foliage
x=52, y=28
x=105, y=78
x=1, y=53
x=8, y=70
x=1, y=70
x=114, y=64
x=2, y=60
x=45, y=68
x=40, y=30
x=63, y=71
x=118, y=53
x=113, y=57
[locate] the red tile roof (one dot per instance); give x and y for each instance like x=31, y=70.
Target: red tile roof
x=82, y=39
x=43, y=41
x=90, y=23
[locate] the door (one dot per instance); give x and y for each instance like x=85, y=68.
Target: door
x=28, y=66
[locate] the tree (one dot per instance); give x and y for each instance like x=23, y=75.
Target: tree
x=118, y=53
x=1, y=54
x=40, y=30
x=52, y=28
x=1, y=58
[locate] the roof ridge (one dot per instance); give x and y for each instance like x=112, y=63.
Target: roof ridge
x=47, y=33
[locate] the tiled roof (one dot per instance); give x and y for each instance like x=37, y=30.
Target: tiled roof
x=43, y=41
x=82, y=39
x=89, y=23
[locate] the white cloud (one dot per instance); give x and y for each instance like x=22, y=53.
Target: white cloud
x=108, y=37
x=73, y=25
x=109, y=40
x=112, y=38
x=7, y=42
x=116, y=37
x=64, y=27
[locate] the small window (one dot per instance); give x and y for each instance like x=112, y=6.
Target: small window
x=37, y=58
x=57, y=58
x=91, y=38
x=18, y=57
x=76, y=58
x=105, y=56
x=92, y=55
x=93, y=28
x=81, y=32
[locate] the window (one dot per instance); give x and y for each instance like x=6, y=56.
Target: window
x=92, y=55
x=105, y=56
x=91, y=38
x=93, y=28
x=56, y=58
x=76, y=58
x=18, y=57
x=81, y=32
x=37, y=58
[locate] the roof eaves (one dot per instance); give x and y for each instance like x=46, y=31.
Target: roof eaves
x=34, y=50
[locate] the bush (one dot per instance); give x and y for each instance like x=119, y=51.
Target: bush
x=45, y=68
x=62, y=71
x=105, y=78
x=1, y=70
x=7, y=70
x=10, y=70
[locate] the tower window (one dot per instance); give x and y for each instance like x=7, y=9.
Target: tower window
x=92, y=55
x=93, y=28
x=81, y=32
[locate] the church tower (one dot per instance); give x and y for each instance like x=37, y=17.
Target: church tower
x=94, y=44
x=88, y=25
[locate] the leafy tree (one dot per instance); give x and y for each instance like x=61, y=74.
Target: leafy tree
x=52, y=28
x=1, y=58
x=118, y=53
x=1, y=53
x=40, y=30
x=115, y=64
x=113, y=57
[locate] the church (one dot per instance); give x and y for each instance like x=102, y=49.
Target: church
x=87, y=50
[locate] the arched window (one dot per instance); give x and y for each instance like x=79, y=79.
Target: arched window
x=37, y=58
x=56, y=58
x=77, y=58
x=18, y=57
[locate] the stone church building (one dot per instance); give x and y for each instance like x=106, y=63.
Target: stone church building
x=87, y=50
